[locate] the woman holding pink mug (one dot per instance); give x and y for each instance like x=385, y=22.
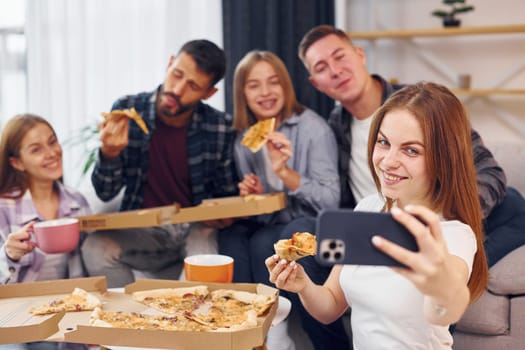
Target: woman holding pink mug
x=31, y=191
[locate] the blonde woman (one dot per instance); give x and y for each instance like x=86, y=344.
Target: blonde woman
x=299, y=159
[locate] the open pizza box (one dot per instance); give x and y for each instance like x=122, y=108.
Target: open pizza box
x=232, y=207
x=18, y=325
x=129, y=219
x=74, y=326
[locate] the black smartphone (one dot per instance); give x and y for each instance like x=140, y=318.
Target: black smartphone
x=345, y=236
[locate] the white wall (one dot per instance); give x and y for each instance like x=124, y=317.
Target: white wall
x=490, y=59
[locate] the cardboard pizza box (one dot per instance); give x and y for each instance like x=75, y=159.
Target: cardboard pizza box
x=176, y=340
x=17, y=325
x=232, y=207
x=129, y=219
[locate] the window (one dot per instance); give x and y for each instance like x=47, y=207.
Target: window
x=13, y=68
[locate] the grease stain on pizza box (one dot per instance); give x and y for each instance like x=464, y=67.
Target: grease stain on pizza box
x=129, y=219
x=177, y=340
x=18, y=325
x=232, y=207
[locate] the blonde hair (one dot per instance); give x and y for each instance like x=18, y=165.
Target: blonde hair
x=449, y=161
x=242, y=115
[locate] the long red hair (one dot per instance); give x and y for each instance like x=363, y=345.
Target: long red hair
x=450, y=162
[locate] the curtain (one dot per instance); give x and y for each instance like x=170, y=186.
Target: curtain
x=277, y=26
x=84, y=54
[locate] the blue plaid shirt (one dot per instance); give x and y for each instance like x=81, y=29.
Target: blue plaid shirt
x=209, y=147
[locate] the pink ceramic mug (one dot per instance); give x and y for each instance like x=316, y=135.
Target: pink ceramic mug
x=57, y=236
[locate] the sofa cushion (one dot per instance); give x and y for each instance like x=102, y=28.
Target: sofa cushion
x=507, y=277
x=508, y=154
x=489, y=315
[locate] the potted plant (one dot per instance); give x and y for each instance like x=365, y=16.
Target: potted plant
x=457, y=6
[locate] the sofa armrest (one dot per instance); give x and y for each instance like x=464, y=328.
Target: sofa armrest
x=507, y=277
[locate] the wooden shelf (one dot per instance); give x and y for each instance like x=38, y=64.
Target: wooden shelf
x=487, y=92
x=432, y=32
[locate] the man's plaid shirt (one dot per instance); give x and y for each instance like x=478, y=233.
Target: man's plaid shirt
x=210, y=155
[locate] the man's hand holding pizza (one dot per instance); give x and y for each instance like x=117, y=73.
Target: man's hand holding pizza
x=113, y=135
x=114, y=130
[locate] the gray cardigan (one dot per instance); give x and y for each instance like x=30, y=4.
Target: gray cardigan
x=314, y=158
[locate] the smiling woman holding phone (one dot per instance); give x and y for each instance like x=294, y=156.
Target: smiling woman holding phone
x=31, y=191
x=420, y=155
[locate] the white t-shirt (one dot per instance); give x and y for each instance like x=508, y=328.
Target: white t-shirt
x=387, y=309
x=359, y=176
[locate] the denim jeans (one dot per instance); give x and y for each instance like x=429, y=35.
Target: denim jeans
x=249, y=243
x=505, y=227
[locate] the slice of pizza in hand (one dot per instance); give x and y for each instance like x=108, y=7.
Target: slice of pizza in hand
x=130, y=113
x=78, y=300
x=300, y=245
x=255, y=136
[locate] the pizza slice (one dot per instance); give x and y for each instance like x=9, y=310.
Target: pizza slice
x=173, y=300
x=237, y=299
x=226, y=319
x=300, y=245
x=255, y=137
x=230, y=310
x=78, y=300
x=135, y=320
x=130, y=113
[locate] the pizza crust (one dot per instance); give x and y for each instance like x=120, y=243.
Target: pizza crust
x=300, y=245
x=140, y=296
x=255, y=137
x=78, y=300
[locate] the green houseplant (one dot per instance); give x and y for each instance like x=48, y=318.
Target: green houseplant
x=448, y=17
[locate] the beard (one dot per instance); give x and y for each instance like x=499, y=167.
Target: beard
x=167, y=111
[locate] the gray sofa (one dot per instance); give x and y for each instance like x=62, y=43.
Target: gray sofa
x=497, y=319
